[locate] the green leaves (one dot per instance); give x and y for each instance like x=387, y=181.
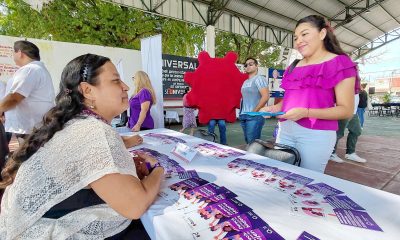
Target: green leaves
x=103, y=23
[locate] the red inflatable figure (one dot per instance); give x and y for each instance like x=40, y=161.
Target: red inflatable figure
x=216, y=85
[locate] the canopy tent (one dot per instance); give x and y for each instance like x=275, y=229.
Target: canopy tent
x=360, y=25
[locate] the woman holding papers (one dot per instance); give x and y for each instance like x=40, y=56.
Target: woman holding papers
x=140, y=103
x=319, y=90
x=73, y=177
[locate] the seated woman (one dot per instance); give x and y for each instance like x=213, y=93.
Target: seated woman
x=140, y=103
x=73, y=177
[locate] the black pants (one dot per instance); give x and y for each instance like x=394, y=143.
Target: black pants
x=3, y=146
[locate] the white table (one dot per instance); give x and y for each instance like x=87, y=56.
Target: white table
x=171, y=115
x=163, y=222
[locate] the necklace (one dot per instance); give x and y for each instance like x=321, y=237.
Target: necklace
x=88, y=112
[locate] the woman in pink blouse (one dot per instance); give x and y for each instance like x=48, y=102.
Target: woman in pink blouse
x=319, y=90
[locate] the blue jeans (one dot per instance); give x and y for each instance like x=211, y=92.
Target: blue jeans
x=222, y=129
x=360, y=113
x=252, y=126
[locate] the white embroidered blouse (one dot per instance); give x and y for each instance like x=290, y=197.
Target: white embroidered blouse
x=84, y=151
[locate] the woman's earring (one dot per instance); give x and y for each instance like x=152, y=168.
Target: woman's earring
x=91, y=106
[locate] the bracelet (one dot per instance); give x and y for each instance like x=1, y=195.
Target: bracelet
x=151, y=168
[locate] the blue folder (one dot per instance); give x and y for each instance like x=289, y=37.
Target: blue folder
x=269, y=114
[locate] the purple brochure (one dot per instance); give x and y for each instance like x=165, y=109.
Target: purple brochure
x=306, y=236
x=356, y=219
x=343, y=202
x=205, y=201
x=263, y=233
x=241, y=223
x=187, y=174
x=292, y=182
x=215, y=213
x=166, y=139
x=276, y=176
x=175, y=191
x=324, y=189
x=198, y=194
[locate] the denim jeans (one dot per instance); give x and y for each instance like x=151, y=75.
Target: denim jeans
x=252, y=126
x=222, y=129
x=360, y=113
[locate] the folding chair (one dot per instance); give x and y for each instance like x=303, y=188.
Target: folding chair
x=276, y=151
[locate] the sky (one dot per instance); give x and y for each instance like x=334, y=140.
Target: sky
x=384, y=61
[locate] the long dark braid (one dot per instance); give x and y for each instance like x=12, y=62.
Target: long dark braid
x=69, y=103
x=330, y=41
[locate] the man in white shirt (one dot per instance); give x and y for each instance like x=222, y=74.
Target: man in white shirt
x=30, y=94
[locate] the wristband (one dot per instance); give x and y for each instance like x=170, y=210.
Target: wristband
x=150, y=168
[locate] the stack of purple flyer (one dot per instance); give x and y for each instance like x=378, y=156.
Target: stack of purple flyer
x=211, y=150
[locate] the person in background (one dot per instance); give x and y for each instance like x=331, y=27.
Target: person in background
x=4, y=150
x=319, y=90
x=30, y=93
x=355, y=130
x=73, y=178
x=362, y=104
x=222, y=129
x=140, y=103
x=255, y=95
x=189, y=117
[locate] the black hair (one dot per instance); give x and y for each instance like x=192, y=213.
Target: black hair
x=28, y=48
x=330, y=41
x=251, y=58
x=69, y=103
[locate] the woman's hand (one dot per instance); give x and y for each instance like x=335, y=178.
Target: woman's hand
x=136, y=128
x=295, y=114
x=141, y=168
x=273, y=108
x=131, y=141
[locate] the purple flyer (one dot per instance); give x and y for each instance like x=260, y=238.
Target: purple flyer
x=166, y=139
x=205, y=201
x=215, y=213
x=176, y=190
x=241, y=223
x=324, y=189
x=343, y=202
x=276, y=176
x=306, y=236
x=187, y=174
x=299, y=179
x=263, y=233
x=234, y=226
x=356, y=219
x=212, y=150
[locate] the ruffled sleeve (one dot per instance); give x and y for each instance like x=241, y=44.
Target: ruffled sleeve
x=325, y=75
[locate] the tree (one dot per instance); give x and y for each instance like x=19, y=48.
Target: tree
x=107, y=24
x=266, y=53
x=98, y=22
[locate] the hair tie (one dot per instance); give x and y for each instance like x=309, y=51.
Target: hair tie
x=68, y=91
x=328, y=26
x=85, y=72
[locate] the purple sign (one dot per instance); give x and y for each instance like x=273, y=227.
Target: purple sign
x=356, y=219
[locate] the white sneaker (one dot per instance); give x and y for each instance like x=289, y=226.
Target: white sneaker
x=355, y=157
x=334, y=157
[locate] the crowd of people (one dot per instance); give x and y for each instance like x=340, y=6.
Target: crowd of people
x=72, y=165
